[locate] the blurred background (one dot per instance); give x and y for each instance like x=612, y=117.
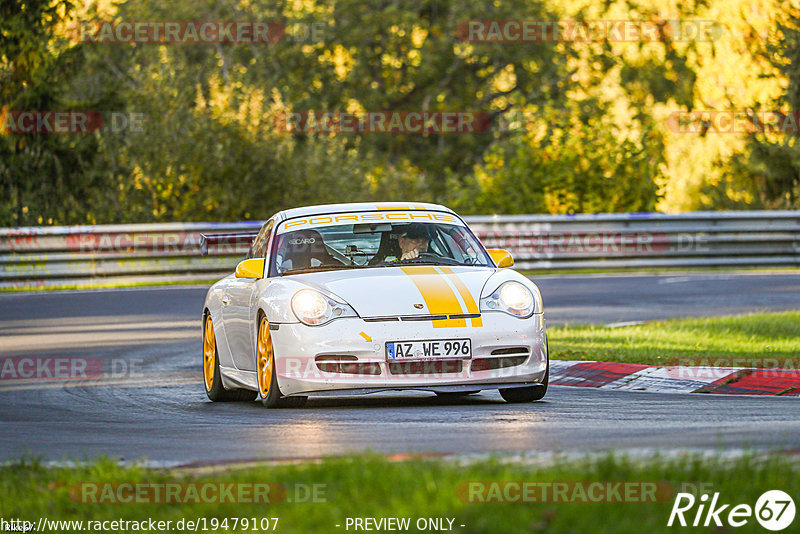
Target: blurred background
x=577, y=126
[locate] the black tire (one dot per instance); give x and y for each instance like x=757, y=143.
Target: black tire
x=217, y=392
x=273, y=398
x=524, y=394
x=532, y=393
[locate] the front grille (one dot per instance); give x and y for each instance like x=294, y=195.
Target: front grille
x=423, y=317
x=440, y=317
x=486, y=364
x=436, y=367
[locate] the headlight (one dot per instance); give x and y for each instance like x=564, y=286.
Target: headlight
x=514, y=299
x=313, y=308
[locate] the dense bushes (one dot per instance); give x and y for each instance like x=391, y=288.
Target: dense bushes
x=576, y=127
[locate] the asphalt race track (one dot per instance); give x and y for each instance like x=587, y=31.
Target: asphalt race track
x=153, y=404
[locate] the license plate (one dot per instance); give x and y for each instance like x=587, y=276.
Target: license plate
x=429, y=349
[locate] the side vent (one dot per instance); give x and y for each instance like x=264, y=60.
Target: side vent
x=346, y=364
x=510, y=350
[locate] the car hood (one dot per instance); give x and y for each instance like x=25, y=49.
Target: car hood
x=407, y=290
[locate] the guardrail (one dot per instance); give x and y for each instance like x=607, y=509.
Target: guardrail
x=66, y=255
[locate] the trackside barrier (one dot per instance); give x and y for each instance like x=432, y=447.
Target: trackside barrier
x=171, y=252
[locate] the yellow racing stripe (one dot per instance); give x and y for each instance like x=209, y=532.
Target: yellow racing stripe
x=437, y=294
x=466, y=296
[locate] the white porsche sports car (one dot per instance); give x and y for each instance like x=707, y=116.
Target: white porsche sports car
x=361, y=298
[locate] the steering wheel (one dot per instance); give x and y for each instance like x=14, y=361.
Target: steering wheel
x=422, y=256
x=431, y=256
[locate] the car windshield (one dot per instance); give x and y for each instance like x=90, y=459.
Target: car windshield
x=380, y=244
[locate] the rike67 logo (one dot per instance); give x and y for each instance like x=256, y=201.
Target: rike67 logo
x=774, y=510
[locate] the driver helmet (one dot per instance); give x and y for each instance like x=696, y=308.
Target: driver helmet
x=415, y=231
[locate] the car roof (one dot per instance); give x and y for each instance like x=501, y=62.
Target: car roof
x=325, y=209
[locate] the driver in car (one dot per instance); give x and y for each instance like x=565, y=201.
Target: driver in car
x=414, y=240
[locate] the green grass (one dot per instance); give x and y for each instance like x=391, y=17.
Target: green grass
x=371, y=486
x=760, y=339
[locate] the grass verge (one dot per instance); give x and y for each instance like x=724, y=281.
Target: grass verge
x=770, y=340
x=372, y=486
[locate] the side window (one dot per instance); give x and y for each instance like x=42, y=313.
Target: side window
x=269, y=236
x=259, y=247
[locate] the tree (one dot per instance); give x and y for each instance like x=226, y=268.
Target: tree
x=44, y=176
x=773, y=162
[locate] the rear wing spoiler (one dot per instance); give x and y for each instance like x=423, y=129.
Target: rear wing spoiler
x=233, y=239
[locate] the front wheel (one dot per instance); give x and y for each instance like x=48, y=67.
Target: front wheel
x=527, y=394
x=268, y=389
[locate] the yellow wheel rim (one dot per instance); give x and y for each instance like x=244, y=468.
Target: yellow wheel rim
x=209, y=354
x=265, y=358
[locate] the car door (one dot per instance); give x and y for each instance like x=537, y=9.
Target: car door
x=238, y=302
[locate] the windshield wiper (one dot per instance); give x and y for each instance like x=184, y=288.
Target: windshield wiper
x=427, y=261
x=417, y=261
x=319, y=268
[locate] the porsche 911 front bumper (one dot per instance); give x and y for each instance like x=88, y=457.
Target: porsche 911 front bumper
x=349, y=356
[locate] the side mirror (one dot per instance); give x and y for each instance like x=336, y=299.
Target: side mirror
x=502, y=258
x=252, y=268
